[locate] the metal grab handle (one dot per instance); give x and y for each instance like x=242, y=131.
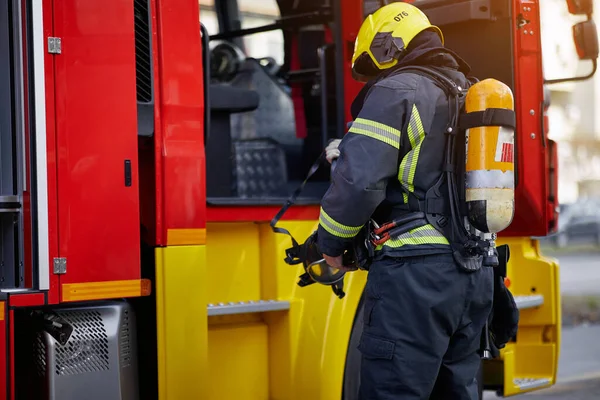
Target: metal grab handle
x=10, y=204
x=321, y=51
x=206, y=78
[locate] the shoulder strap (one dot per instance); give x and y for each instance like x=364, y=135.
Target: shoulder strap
x=489, y=117
x=445, y=83
x=454, y=93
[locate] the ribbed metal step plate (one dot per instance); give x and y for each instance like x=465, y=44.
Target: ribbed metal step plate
x=244, y=307
x=530, y=383
x=532, y=301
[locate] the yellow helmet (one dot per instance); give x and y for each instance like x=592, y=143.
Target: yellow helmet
x=384, y=35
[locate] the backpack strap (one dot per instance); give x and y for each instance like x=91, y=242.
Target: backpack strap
x=445, y=83
x=488, y=117
x=451, y=226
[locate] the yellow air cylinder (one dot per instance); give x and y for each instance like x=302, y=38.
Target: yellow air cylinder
x=489, y=173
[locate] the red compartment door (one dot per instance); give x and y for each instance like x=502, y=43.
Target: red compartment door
x=98, y=207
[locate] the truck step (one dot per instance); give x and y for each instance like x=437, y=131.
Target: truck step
x=531, y=301
x=531, y=383
x=244, y=307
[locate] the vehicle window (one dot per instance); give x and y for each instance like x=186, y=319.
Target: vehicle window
x=252, y=14
x=208, y=16
x=266, y=44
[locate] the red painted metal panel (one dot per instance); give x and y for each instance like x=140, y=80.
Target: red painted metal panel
x=181, y=116
x=26, y=300
x=54, y=292
x=96, y=126
x=260, y=214
x=4, y=361
x=11, y=347
x=150, y=160
x=160, y=233
x=352, y=17
x=531, y=213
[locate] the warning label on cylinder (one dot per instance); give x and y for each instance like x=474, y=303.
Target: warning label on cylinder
x=505, y=147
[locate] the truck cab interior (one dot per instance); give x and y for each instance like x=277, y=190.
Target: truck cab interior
x=268, y=122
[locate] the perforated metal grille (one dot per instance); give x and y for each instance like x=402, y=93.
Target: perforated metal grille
x=40, y=355
x=125, y=340
x=143, y=52
x=87, y=349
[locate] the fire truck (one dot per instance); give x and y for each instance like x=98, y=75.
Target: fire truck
x=142, y=161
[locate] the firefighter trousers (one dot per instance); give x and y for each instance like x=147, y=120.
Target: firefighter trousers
x=423, y=322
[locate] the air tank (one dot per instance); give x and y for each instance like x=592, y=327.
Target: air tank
x=489, y=177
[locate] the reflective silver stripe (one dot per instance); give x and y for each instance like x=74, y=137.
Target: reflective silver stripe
x=424, y=231
x=376, y=130
x=337, y=229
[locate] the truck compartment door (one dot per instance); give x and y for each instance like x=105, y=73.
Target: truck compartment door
x=96, y=119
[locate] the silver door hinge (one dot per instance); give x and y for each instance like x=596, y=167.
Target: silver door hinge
x=60, y=265
x=54, y=45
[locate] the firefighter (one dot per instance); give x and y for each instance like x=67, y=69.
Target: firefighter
x=423, y=315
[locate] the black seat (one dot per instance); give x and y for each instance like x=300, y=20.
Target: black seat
x=224, y=101
x=274, y=117
x=265, y=141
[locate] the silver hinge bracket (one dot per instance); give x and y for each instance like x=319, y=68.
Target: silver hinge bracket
x=60, y=266
x=54, y=45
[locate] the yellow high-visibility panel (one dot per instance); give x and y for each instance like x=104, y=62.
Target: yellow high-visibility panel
x=233, y=252
x=534, y=355
x=238, y=359
x=181, y=322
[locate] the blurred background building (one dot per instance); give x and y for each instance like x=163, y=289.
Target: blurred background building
x=573, y=117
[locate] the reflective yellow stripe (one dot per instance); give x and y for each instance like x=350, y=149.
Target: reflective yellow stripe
x=105, y=290
x=186, y=237
x=335, y=228
x=426, y=234
x=376, y=130
x=408, y=166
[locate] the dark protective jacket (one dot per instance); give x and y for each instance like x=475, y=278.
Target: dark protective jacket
x=392, y=154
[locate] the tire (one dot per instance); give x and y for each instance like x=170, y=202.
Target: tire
x=353, y=359
x=353, y=356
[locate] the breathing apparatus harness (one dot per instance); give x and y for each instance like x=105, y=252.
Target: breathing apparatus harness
x=448, y=215
x=444, y=204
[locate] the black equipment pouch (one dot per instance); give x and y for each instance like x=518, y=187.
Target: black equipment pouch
x=468, y=263
x=505, y=314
